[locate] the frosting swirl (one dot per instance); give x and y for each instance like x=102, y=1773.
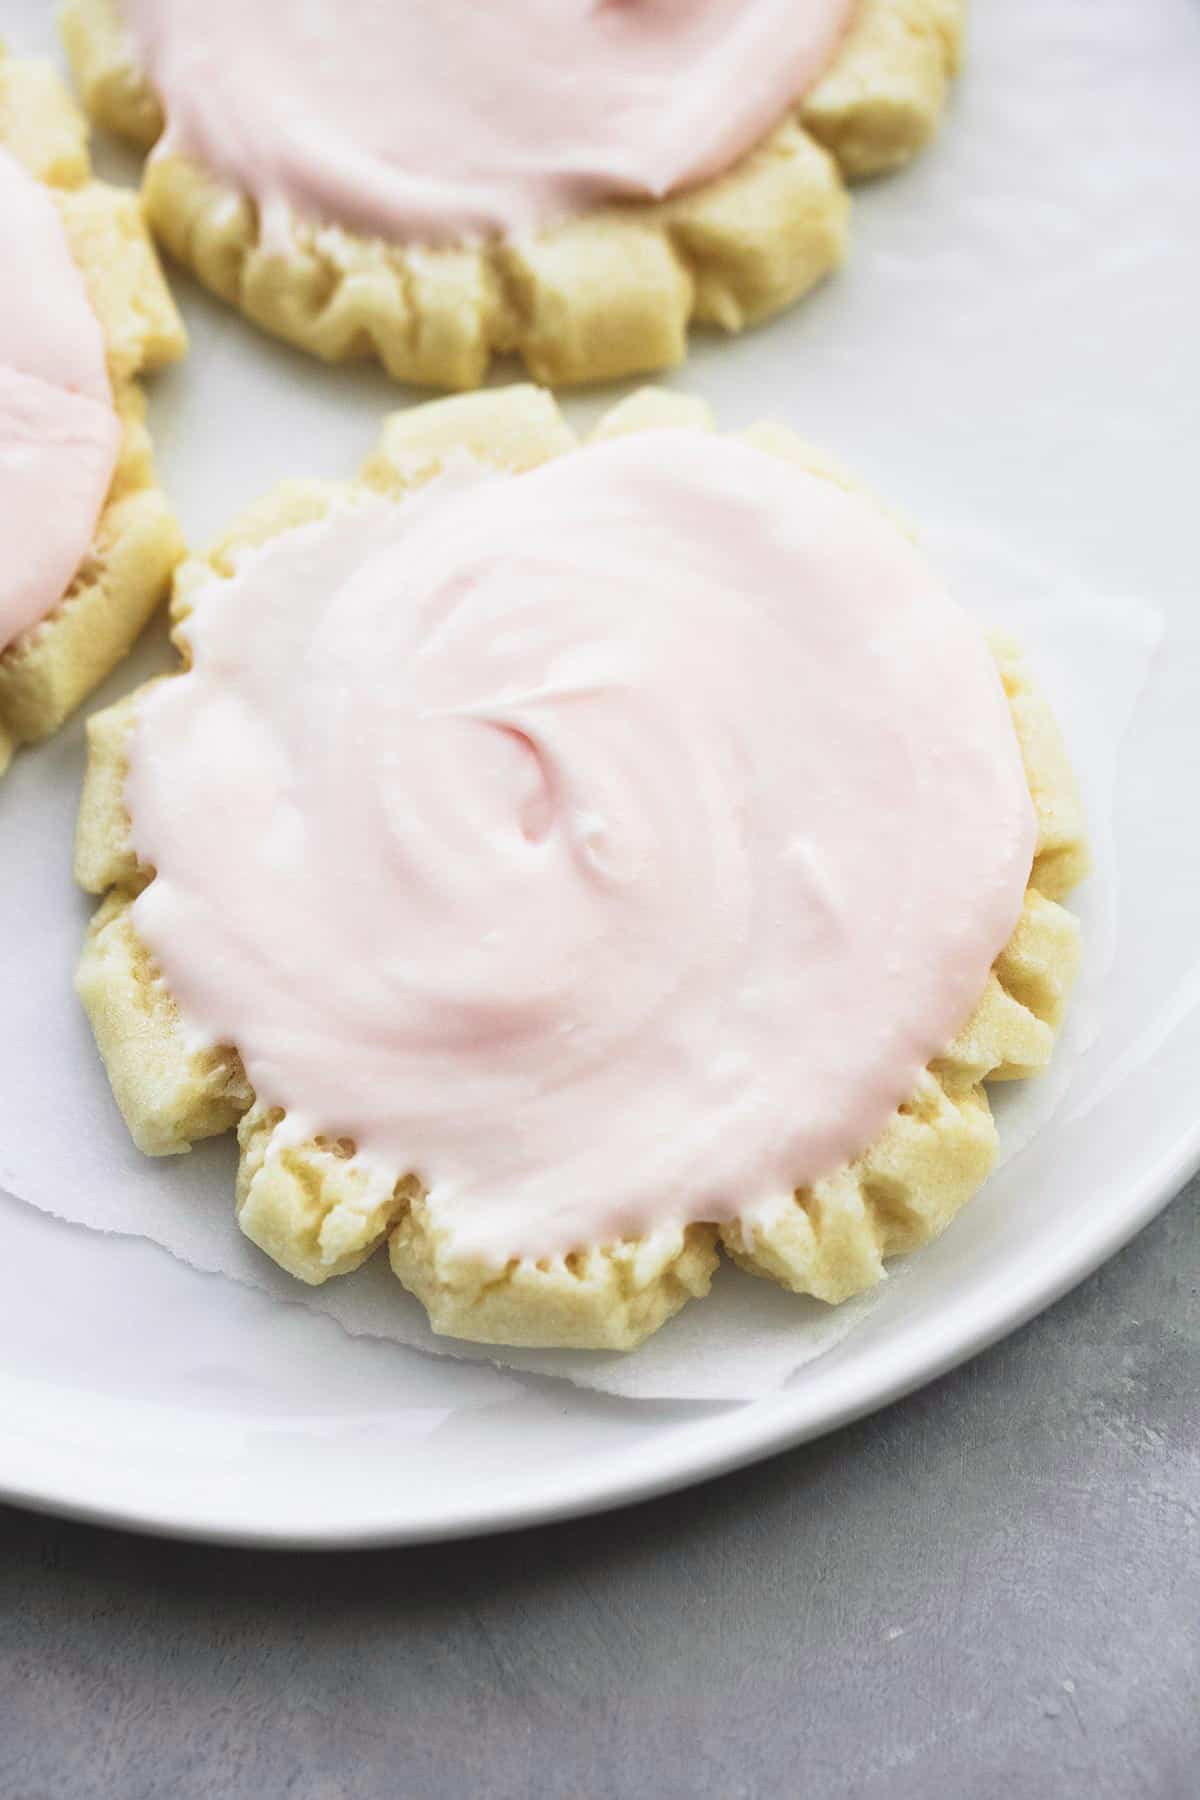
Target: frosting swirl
x=607, y=844
x=457, y=120
x=58, y=432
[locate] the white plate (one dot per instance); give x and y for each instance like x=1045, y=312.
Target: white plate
x=1013, y=343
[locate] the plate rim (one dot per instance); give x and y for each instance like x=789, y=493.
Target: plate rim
x=744, y=1442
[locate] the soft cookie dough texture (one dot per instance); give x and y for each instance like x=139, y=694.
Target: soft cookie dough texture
x=604, y=295
x=312, y=1206
x=48, y=669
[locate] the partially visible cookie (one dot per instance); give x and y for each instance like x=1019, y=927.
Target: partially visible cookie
x=503, y=900
x=725, y=228
x=90, y=539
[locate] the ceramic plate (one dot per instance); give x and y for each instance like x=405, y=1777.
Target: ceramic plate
x=1012, y=345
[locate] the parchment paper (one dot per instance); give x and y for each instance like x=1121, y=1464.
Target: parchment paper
x=64, y=1148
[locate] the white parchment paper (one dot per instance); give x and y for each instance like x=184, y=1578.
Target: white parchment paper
x=65, y=1150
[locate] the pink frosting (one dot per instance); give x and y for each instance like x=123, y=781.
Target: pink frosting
x=58, y=432
x=432, y=121
x=608, y=845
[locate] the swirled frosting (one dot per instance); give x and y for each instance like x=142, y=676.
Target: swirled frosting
x=437, y=122
x=607, y=844
x=58, y=431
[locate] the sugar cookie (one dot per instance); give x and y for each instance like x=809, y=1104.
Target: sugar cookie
x=90, y=540
x=575, y=183
x=558, y=862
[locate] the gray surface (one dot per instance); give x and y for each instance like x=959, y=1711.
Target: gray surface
x=990, y=1590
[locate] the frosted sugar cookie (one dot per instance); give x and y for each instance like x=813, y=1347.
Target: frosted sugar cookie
x=88, y=540
x=561, y=861
x=573, y=180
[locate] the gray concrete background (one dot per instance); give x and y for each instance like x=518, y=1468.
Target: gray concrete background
x=992, y=1589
